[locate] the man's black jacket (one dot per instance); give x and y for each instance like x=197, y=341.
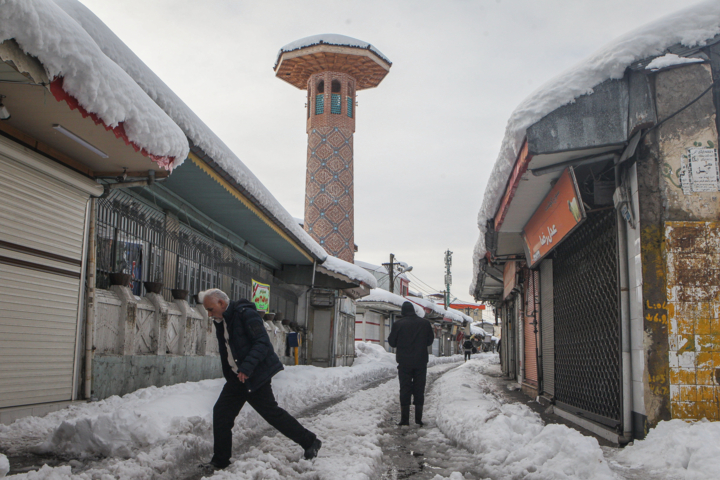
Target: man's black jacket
x=249, y=344
x=412, y=336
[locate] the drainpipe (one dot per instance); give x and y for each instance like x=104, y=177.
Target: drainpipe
x=90, y=312
x=627, y=433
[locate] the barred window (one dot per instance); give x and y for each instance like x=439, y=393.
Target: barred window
x=319, y=104
x=335, y=104
x=350, y=107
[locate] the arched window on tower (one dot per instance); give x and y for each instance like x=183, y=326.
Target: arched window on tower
x=336, y=98
x=350, y=102
x=320, y=98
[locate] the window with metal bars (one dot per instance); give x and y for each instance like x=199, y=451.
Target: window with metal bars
x=319, y=104
x=335, y=104
x=350, y=107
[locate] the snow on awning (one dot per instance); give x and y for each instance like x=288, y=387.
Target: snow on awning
x=692, y=26
x=89, y=80
x=190, y=124
x=447, y=315
x=353, y=272
x=380, y=296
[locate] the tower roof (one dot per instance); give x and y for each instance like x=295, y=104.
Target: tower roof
x=298, y=60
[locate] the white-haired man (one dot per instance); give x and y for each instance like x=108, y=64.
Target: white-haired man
x=248, y=364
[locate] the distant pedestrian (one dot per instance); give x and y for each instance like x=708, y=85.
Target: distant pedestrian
x=248, y=364
x=411, y=336
x=468, y=347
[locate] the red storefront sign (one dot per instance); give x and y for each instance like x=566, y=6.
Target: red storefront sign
x=560, y=213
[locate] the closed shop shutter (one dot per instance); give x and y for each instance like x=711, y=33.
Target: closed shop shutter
x=586, y=304
x=529, y=329
x=548, y=328
x=42, y=225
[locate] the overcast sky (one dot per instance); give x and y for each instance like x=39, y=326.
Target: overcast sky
x=425, y=139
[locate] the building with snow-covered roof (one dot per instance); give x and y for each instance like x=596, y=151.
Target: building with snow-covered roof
x=332, y=68
x=598, y=230
x=136, y=205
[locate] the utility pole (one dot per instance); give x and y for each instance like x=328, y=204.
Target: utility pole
x=448, y=277
x=391, y=272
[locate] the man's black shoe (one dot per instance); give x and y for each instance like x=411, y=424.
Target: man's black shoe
x=210, y=467
x=312, y=451
x=404, y=416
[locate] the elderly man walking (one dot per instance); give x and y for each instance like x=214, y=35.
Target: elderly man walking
x=248, y=364
x=411, y=336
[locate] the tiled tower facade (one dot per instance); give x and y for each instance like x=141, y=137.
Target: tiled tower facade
x=329, y=195
x=332, y=68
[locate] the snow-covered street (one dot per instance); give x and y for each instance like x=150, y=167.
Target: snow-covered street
x=472, y=430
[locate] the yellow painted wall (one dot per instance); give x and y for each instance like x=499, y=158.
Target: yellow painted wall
x=693, y=306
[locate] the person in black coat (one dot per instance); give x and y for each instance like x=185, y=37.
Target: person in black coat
x=248, y=365
x=468, y=347
x=411, y=336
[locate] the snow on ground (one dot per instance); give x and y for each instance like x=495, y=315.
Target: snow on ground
x=155, y=431
x=691, y=26
x=4, y=465
x=192, y=126
x=674, y=449
x=94, y=80
x=510, y=439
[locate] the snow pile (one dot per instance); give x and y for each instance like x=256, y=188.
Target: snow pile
x=670, y=60
x=354, y=272
x=329, y=39
x=677, y=449
x=4, y=465
x=691, y=26
x=476, y=330
x=189, y=122
x=98, y=84
x=510, y=439
x=378, y=295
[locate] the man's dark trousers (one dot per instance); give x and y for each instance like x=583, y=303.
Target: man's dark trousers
x=412, y=383
x=232, y=398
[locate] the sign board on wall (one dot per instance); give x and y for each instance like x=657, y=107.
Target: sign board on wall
x=561, y=212
x=261, y=296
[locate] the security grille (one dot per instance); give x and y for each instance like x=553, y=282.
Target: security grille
x=349, y=107
x=587, y=321
x=319, y=104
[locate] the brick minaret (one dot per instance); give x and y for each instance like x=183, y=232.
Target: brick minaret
x=332, y=68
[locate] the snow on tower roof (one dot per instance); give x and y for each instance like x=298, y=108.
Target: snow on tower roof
x=194, y=128
x=330, y=39
x=100, y=86
x=692, y=26
x=378, y=295
x=349, y=270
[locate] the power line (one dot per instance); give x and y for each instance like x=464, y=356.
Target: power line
x=427, y=285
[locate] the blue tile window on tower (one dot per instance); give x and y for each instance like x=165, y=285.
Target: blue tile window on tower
x=319, y=104
x=349, y=107
x=335, y=103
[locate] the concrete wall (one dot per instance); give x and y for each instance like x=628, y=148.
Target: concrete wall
x=679, y=254
x=140, y=342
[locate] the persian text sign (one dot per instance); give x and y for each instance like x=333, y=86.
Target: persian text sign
x=261, y=296
x=559, y=214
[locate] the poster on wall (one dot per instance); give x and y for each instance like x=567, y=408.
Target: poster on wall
x=261, y=296
x=561, y=212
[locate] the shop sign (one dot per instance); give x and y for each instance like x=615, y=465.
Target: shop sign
x=560, y=213
x=261, y=296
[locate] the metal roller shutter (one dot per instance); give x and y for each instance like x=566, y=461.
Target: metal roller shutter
x=42, y=225
x=548, y=327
